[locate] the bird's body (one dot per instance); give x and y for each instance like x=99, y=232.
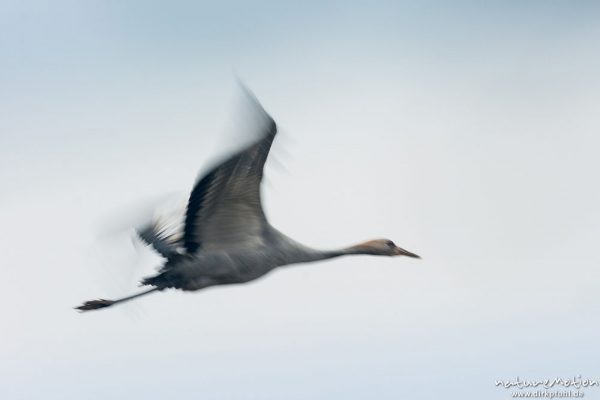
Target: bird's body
x=226, y=266
x=226, y=237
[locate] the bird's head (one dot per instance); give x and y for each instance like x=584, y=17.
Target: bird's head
x=381, y=247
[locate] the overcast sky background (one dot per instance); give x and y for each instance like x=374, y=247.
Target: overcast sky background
x=467, y=132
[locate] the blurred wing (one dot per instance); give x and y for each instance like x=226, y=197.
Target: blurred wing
x=165, y=243
x=224, y=209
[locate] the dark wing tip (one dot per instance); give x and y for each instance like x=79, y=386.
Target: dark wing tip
x=146, y=234
x=195, y=202
x=159, y=239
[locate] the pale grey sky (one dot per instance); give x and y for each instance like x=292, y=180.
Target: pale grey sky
x=466, y=132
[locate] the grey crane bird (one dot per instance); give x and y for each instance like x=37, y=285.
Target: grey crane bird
x=226, y=236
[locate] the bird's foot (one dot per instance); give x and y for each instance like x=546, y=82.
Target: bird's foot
x=95, y=305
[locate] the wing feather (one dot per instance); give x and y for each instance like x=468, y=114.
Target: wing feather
x=224, y=208
x=164, y=242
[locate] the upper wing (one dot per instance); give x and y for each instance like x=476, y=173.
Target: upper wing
x=224, y=209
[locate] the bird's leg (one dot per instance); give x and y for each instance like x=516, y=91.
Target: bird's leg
x=103, y=303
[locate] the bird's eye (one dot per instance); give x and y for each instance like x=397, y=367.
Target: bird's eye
x=390, y=243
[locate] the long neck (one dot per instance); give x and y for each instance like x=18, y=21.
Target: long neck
x=309, y=254
x=296, y=252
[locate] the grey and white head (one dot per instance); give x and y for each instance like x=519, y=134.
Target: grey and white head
x=381, y=247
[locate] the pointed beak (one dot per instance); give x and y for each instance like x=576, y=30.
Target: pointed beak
x=401, y=252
